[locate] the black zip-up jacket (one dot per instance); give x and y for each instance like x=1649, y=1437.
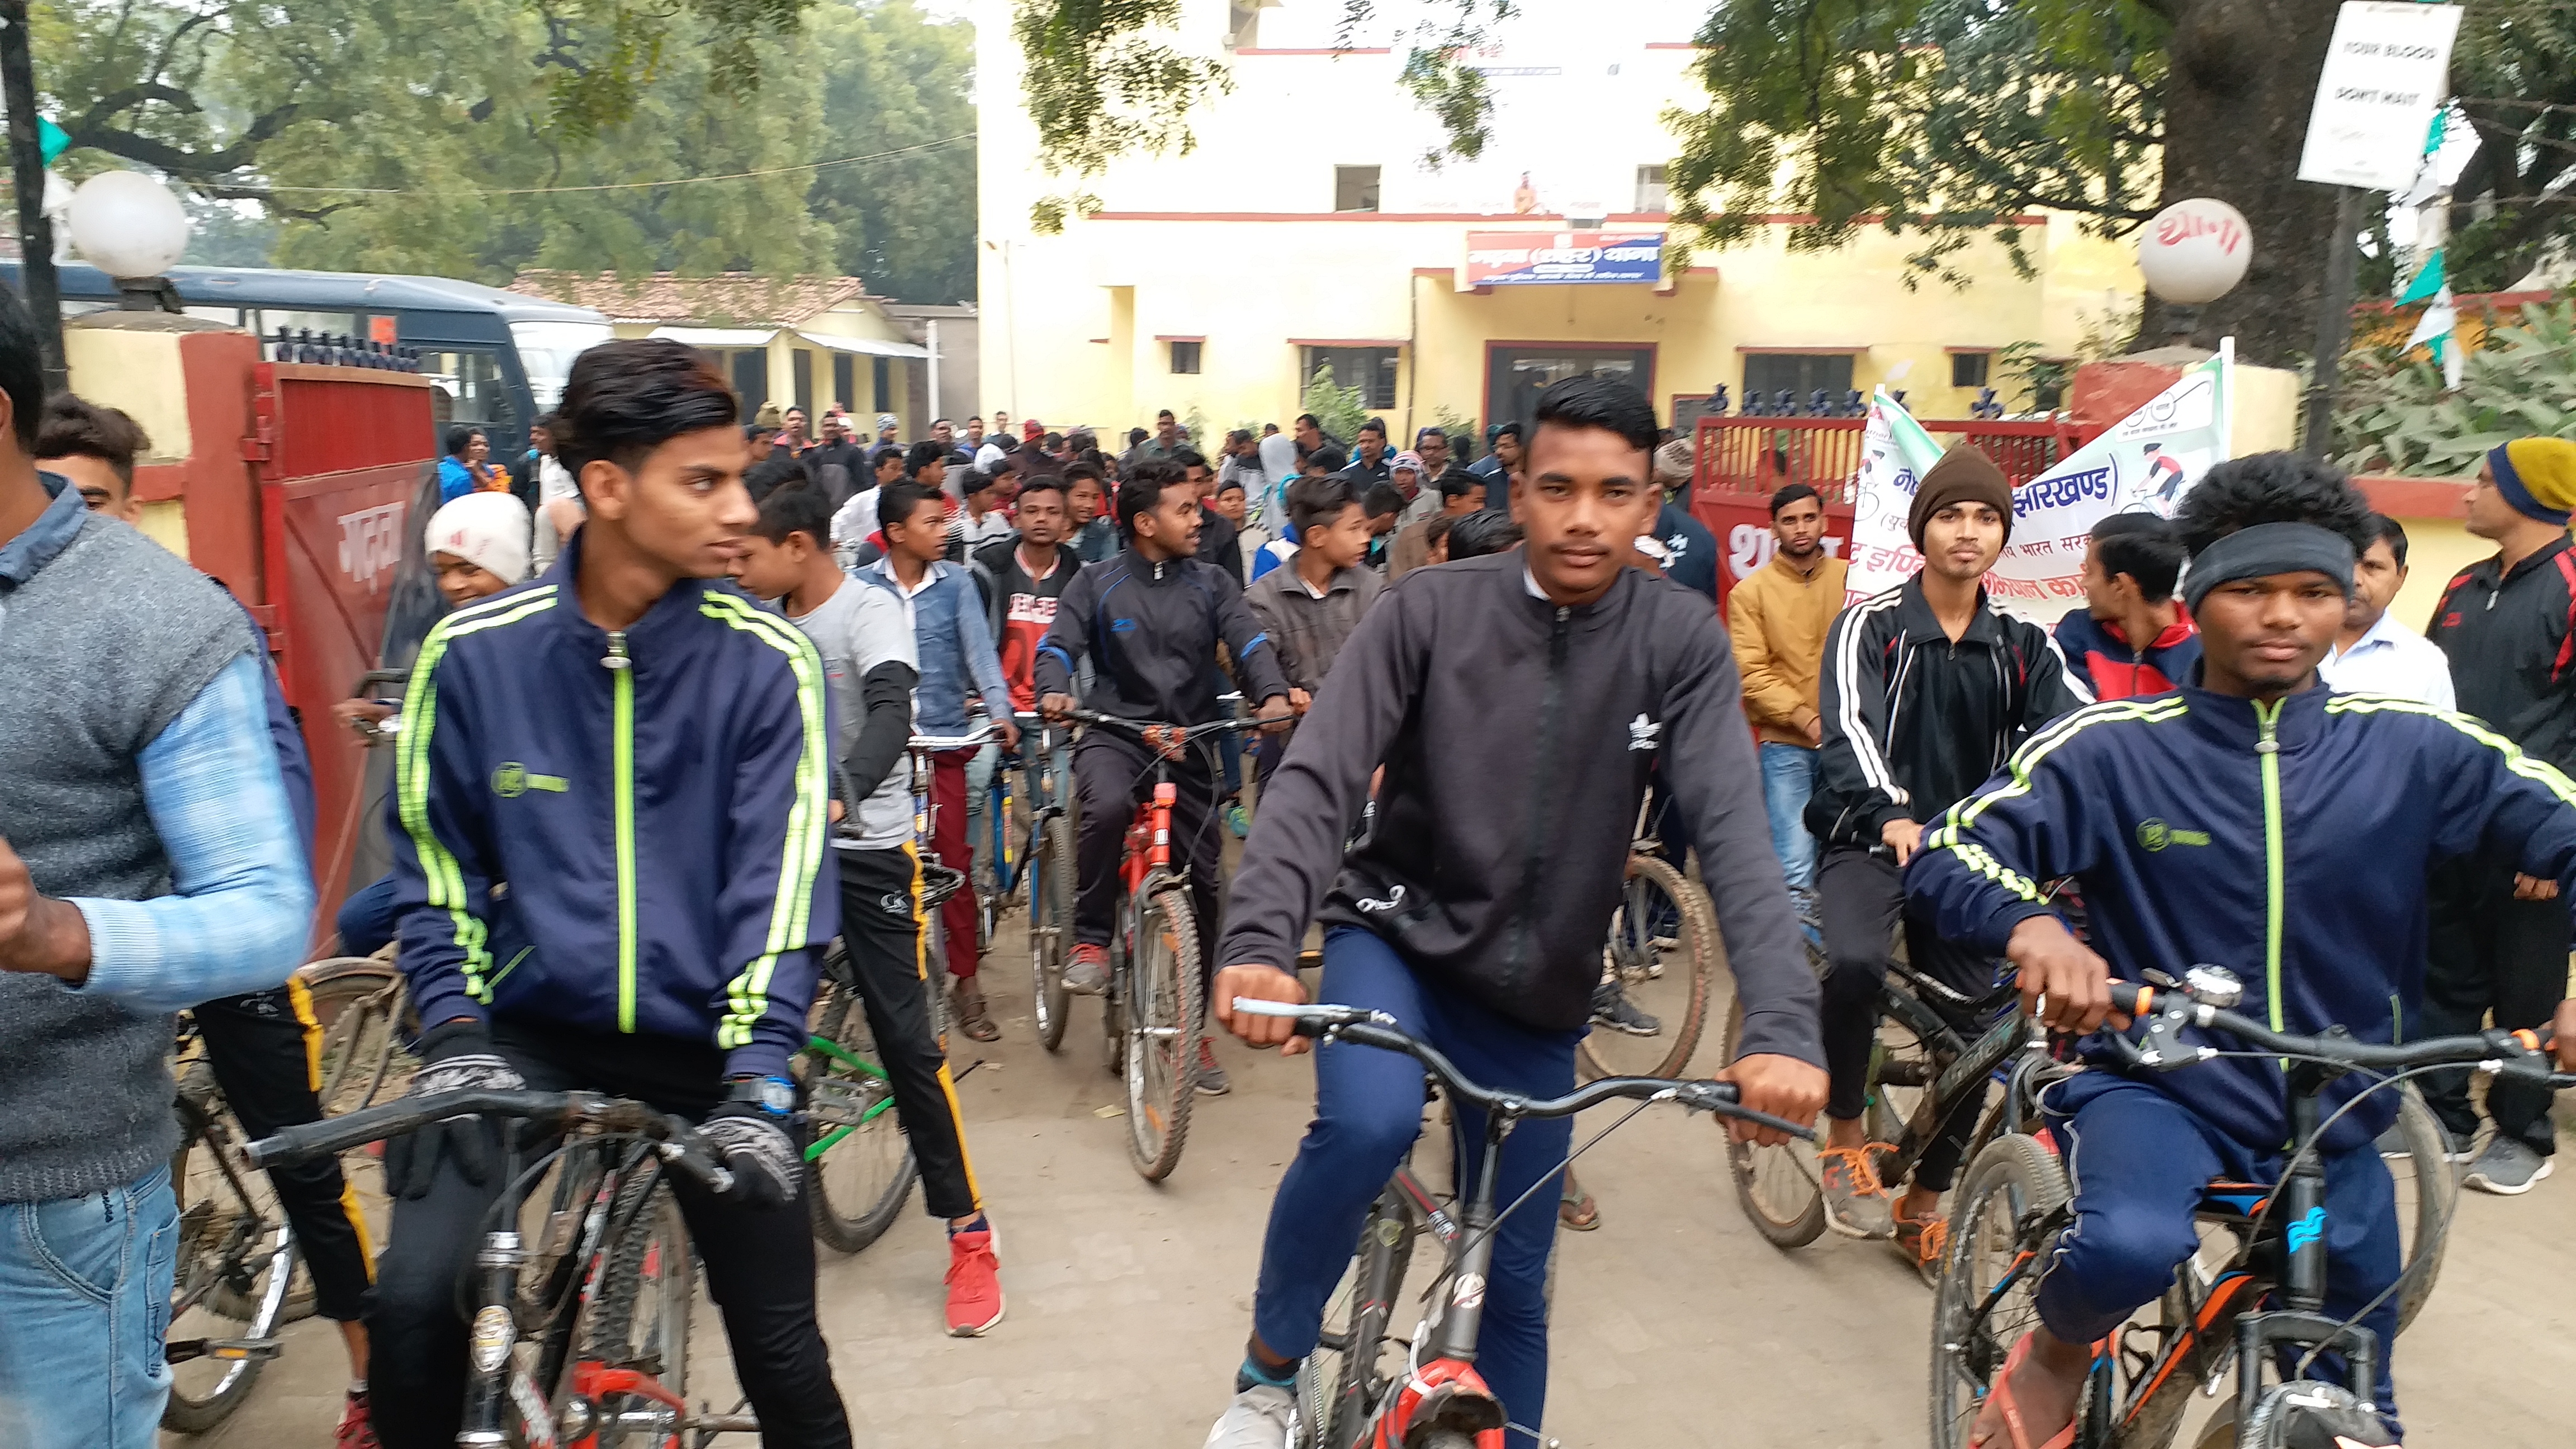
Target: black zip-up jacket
x=2512, y=646
x=1518, y=737
x=1151, y=631
x=1914, y=723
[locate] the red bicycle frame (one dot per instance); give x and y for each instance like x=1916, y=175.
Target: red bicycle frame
x=1149, y=838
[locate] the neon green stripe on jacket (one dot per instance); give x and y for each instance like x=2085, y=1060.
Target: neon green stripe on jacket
x=443, y=877
x=801, y=852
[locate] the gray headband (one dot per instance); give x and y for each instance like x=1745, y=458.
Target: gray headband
x=2267, y=549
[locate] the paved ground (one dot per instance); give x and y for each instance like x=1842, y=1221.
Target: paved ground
x=1675, y=1324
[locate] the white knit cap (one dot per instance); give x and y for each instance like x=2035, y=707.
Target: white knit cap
x=487, y=530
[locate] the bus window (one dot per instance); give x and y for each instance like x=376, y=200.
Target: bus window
x=546, y=351
x=471, y=389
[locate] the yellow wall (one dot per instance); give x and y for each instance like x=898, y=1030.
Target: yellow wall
x=784, y=345
x=137, y=371
x=1236, y=241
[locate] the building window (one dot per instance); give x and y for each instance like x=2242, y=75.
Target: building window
x=1354, y=188
x=1797, y=373
x=1651, y=196
x=1515, y=376
x=845, y=379
x=1371, y=369
x=751, y=379
x=1185, y=357
x=803, y=362
x=1969, y=369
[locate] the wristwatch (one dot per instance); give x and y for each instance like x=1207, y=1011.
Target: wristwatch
x=773, y=1095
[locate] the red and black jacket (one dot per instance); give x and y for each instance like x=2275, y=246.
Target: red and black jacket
x=2097, y=651
x=1914, y=722
x=2512, y=645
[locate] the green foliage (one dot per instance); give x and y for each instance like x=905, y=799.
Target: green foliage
x=471, y=138
x=1973, y=110
x=1338, y=410
x=1466, y=440
x=1099, y=86
x=2514, y=71
x=2396, y=416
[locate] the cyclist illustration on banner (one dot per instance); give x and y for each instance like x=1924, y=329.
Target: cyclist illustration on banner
x=2144, y=464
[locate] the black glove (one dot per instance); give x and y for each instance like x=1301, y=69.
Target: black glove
x=759, y=1148
x=456, y=1056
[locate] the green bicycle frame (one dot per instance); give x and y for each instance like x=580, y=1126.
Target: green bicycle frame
x=834, y=1050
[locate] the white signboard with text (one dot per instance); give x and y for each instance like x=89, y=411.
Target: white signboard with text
x=2387, y=70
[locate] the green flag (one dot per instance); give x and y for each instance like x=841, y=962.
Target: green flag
x=2428, y=282
x=52, y=139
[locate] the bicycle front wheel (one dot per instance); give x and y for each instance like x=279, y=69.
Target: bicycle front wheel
x=859, y=1167
x=2001, y=1228
x=2427, y=1188
x=636, y=1315
x=1652, y=1001
x=234, y=1273
x=365, y=1017
x=1340, y=1384
x=1049, y=869
x=1162, y=1023
x=1778, y=1187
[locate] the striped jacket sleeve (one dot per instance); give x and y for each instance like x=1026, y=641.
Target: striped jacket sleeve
x=442, y=871
x=775, y=911
x=1854, y=780
x=1983, y=867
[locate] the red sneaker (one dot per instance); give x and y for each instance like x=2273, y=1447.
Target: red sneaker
x=974, y=1283
x=1086, y=971
x=356, y=1431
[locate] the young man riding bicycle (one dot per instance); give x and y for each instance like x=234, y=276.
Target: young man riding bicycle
x=1474, y=914
x=1925, y=690
x=2257, y=820
x=1151, y=620
x=643, y=755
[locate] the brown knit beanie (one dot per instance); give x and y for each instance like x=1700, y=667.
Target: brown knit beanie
x=1964, y=475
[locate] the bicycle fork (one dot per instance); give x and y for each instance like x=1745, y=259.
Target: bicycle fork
x=490, y=1381
x=1447, y=1393
x=2303, y=1322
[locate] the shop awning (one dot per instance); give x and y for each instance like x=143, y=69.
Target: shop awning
x=871, y=346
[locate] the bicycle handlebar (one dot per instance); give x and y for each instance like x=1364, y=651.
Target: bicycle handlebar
x=1188, y=734
x=1377, y=1029
x=678, y=1142
x=2510, y=1052
x=971, y=740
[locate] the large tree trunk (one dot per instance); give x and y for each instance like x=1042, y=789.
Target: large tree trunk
x=2236, y=117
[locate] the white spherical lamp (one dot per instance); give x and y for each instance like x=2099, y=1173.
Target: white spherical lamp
x=128, y=225
x=2195, y=251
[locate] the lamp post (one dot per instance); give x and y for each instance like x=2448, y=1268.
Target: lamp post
x=2192, y=254
x=27, y=171
x=129, y=226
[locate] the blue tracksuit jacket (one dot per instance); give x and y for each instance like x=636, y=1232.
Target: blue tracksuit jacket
x=2287, y=842
x=655, y=799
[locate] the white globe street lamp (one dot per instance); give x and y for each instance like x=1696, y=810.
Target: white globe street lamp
x=129, y=226
x=2192, y=254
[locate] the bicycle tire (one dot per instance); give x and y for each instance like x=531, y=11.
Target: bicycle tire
x=219, y=1227
x=1050, y=874
x=2012, y=1202
x=856, y=1187
x=2437, y=1194
x=1333, y=1407
x=651, y=1249
x=365, y=1015
x=1162, y=1031
x=1646, y=971
x=1776, y=1186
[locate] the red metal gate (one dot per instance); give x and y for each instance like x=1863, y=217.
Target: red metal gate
x=335, y=452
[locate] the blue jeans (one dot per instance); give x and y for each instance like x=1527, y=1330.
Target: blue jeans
x=84, y=1304
x=1788, y=779
x=2139, y=1159
x=1368, y=1110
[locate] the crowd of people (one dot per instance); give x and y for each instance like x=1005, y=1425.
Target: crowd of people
x=696, y=649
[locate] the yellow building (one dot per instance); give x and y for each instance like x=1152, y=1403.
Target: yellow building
x=1305, y=230
x=806, y=342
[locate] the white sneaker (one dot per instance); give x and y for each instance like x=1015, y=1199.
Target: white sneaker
x=1257, y=1419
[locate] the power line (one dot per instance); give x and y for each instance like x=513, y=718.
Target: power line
x=630, y=185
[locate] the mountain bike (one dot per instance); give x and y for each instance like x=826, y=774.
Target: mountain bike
x=1662, y=950
x=1364, y=1384
x=1941, y=1052
x=367, y=1027
x=234, y=1283
x=1154, y=1001
x=2253, y=1294
x=582, y=1337
x=1044, y=874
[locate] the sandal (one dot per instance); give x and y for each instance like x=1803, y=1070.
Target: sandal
x=972, y=1017
x=1575, y=1208
x=1999, y=1393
